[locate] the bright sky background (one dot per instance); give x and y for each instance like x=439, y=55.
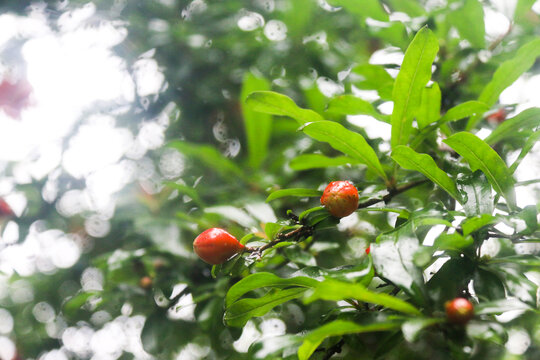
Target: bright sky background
x=71, y=70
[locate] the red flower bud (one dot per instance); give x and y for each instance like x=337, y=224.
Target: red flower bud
x=5, y=209
x=215, y=246
x=497, y=117
x=459, y=311
x=146, y=282
x=340, y=198
x=368, y=250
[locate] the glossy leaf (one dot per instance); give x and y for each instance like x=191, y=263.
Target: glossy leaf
x=335, y=328
x=273, y=103
x=338, y=290
x=374, y=77
x=527, y=119
x=529, y=144
x=264, y=279
x=481, y=156
x=430, y=109
x=293, y=192
x=258, y=126
x=476, y=192
x=393, y=258
x=499, y=306
x=241, y=311
x=487, y=285
x=411, y=328
x=352, y=105
x=346, y=141
x=314, y=161
x=463, y=110
x=469, y=21
x=506, y=74
x=409, y=159
x=413, y=76
x=475, y=223
x=452, y=241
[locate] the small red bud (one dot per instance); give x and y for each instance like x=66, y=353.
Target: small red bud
x=368, y=250
x=5, y=209
x=497, y=117
x=215, y=246
x=459, y=311
x=340, y=198
x=145, y=282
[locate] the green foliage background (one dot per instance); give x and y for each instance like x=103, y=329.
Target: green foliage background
x=334, y=299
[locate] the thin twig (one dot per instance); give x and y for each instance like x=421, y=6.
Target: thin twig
x=391, y=193
x=335, y=349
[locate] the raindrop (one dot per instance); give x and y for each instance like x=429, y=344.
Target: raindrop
x=250, y=21
x=220, y=131
x=232, y=148
x=275, y=30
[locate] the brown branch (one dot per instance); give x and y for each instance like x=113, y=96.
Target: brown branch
x=304, y=231
x=391, y=193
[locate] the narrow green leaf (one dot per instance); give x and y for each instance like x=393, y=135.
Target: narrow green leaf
x=524, y=260
x=500, y=306
x=210, y=156
x=469, y=22
x=461, y=111
x=368, y=8
x=453, y=241
x=527, y=119
x=336, y=328
x=413, y=76
x=423, y=163
x=334, y=290
x=273, y=103
x=410, y=7
x=346, y=141
x=264, y=279
x=522, y=8
x=481, y=156
x=475, y=223
x=293, y=192
x=352, y=105
x=258, y=126
x=430, y=110
x=373, y=77
x=315, y=161
x=506, y=74
x=525, y=150
x=238, y=314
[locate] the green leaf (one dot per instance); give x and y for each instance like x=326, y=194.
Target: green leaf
x=529, y=144
x=413, y=76
x=527, y=119
x=374, y=77
x=293, y=192
x=273, y=103
x=499, y=306
x=410, y=7
x=409, y=159
x=187, y=190
x=476, y=192
x=238, y=314
x=393, y=259
x=264, y=279
x=334, y=290
x=464, y=110
x=487, y=285
x=346, y=141
x=524, y=260
x=411, y=328
x=368, y=8
x=469, y=22
x=352, y=105
x=522, y=8
x=506, y=74
x=72, y=305
x=481, y=156
x=258, y=126
x=314, y=161
x=475, y=223
x=335, y=328
x=452, y=242
x=210, y=156
x=430, y=109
